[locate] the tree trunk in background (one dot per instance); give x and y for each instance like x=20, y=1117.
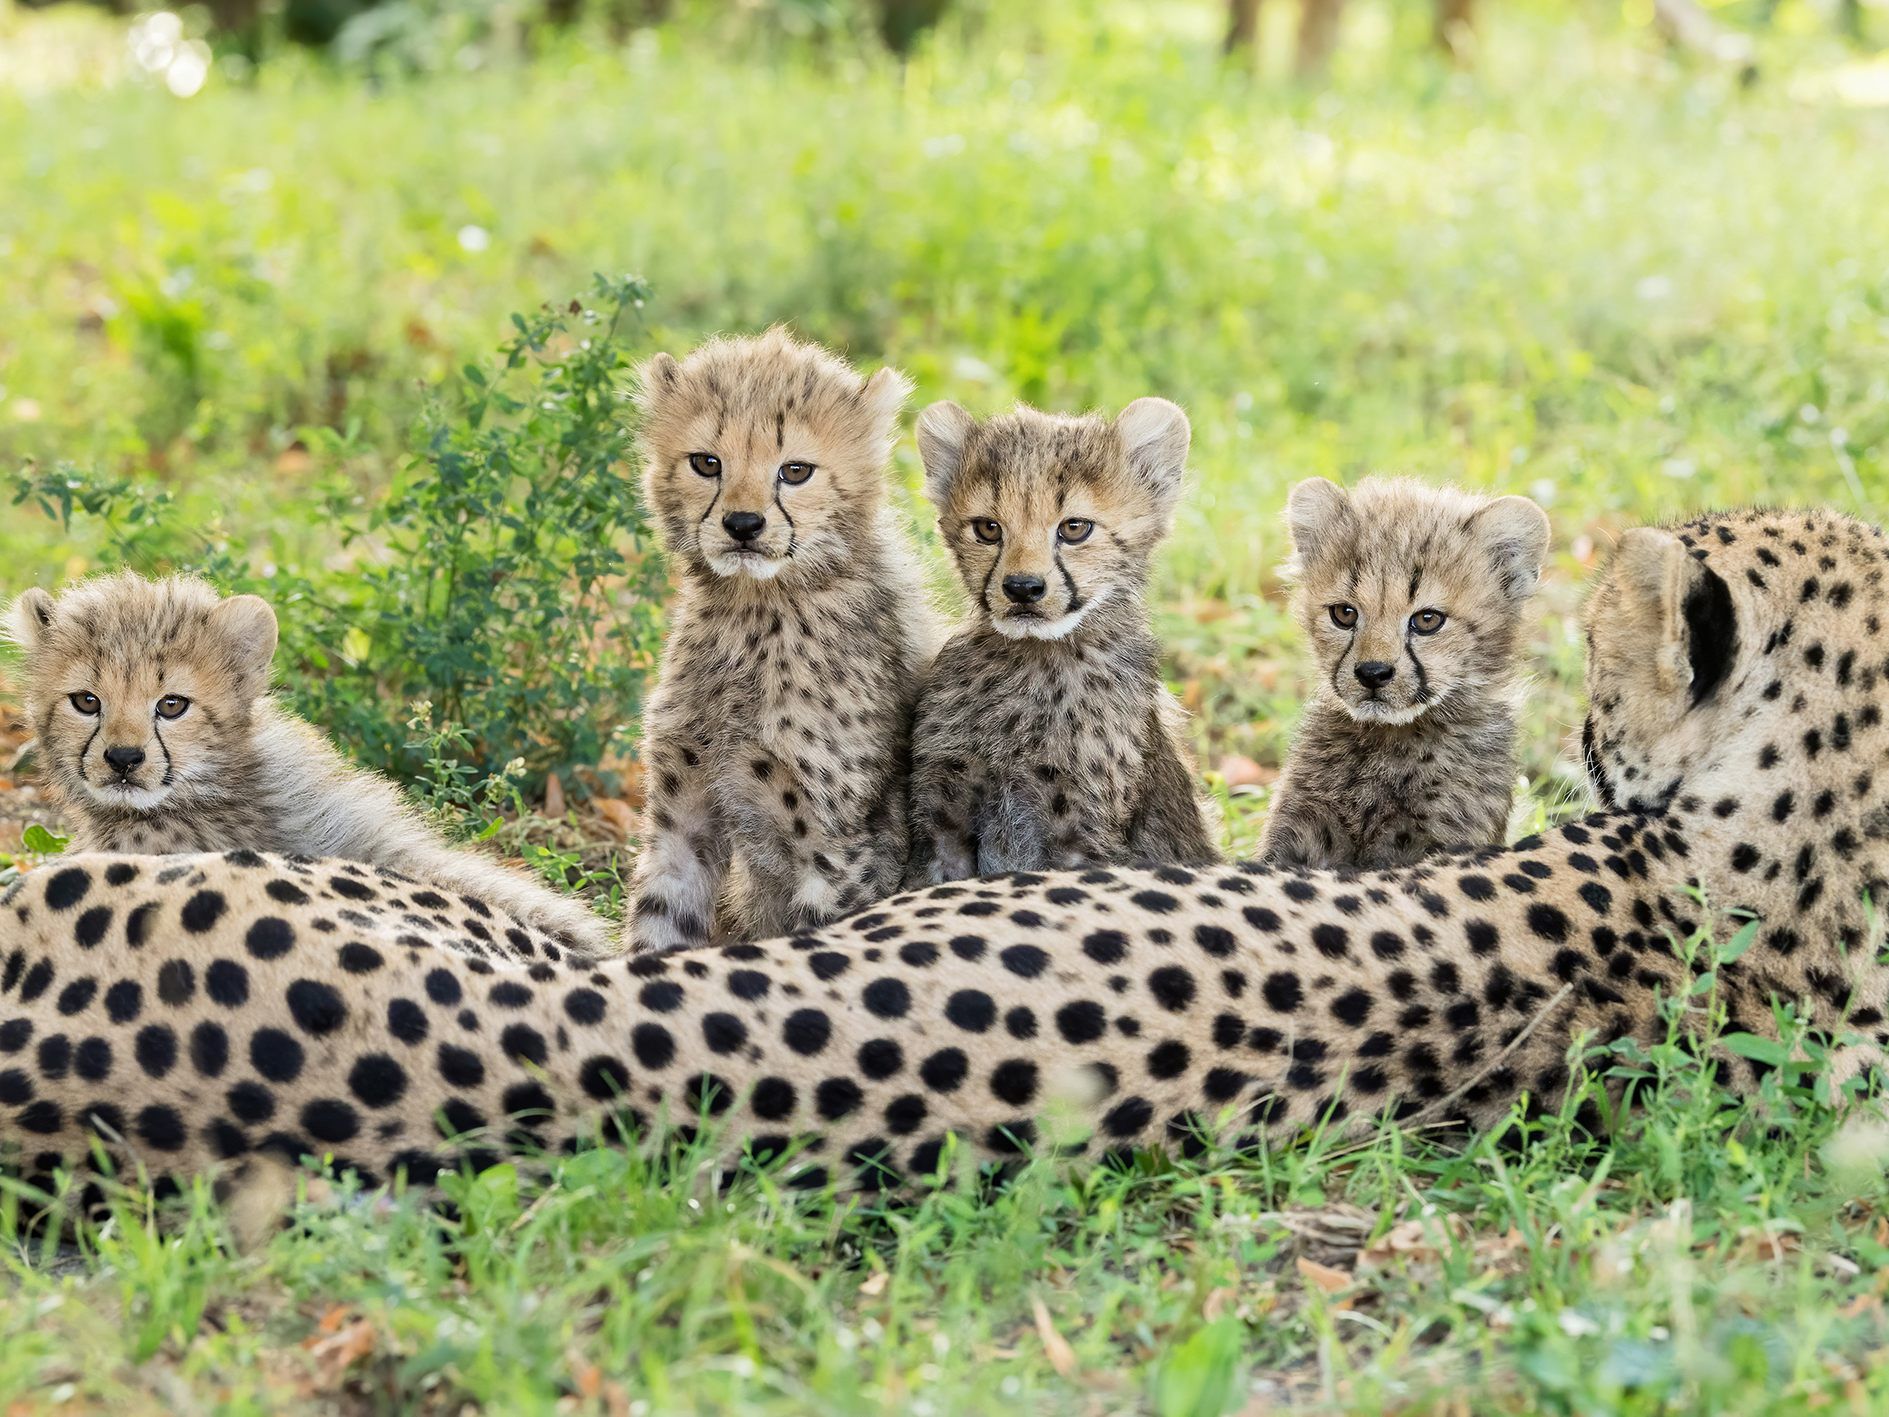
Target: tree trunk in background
x=1455, y=29
x=228, y=16
x=1242, y=28
x=901, y=22
x=1318, y=34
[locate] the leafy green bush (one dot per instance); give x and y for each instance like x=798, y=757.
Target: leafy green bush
x=505, y=579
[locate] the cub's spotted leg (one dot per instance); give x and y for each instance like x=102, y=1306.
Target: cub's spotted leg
x=850, y=875
x=1297, y=835
x=684, y=860
x=1166, y=823
x=943, y=842
x=948, y=854
x=1013, y=831
x=801, y=887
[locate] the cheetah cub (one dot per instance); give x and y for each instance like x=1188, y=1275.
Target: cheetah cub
x=778, y=738
x=1044, y=737
x=149, y=700
x=1412, y=598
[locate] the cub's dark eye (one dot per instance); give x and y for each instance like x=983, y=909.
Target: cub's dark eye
x=987, y=531
x=1343, y=616
x=1074, y=529
x=795, y=473
x=707, y=464
x=172, y=706
x=1427, y=622
x=86, y=704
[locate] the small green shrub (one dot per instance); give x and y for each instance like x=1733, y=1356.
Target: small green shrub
x=505, y=580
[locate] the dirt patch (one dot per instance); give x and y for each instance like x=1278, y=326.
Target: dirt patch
x=21, y=801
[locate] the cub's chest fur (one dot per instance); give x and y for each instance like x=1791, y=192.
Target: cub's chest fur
x=1069, y=704
x=778, y=676
x=1384, y=796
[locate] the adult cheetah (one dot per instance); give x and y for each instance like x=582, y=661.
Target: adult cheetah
x=188, y=1011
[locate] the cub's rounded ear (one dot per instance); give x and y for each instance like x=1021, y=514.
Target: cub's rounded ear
x=1315, y=509
x=1156, y=436
x=943, y=430
x=884, y=394
x=28, y=617
x=248, y=627
x=655, y=379
x=1516, y=532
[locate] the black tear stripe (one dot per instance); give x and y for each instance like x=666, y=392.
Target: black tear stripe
x=793, y=532
x=1596, y=772
x=983, y=594
x=712, y=502
x=1423, y=679
x=1069, y=584
x=1351, y=643
x=155, y=733
x=1711, y=632
x=88, y=744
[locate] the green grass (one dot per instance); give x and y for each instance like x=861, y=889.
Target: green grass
x=1624, y=287
x=1707, y=1257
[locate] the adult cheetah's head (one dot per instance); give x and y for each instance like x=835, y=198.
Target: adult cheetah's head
x=765, y=457
x=138, y=689
x=1047, y=515
x=1743, y=655
x=1411, y=596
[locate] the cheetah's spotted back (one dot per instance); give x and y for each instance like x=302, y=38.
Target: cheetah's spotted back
x=205, y=1000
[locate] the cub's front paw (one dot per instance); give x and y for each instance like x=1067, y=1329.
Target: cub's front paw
x=654, y=929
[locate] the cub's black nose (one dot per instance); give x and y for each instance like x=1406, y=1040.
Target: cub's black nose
x=1024, y=590
x=123, y=760
x=1375, y=673
x=744, y=526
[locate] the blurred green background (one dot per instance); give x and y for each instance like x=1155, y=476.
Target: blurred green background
x=1588, y=251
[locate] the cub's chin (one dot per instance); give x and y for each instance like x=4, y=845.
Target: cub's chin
x=127, y=797
x=1029, y=625
x=1378, y=714
x=755, y=565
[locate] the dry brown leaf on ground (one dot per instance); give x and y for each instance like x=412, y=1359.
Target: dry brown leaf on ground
x=293, y=461
x=1323, y=1277
x=586, y=1378
x=1241, y=771
x=617, y=815
x=1205, y=610
x=1055, y=1347
x=342, y=1340
x=874, y=1284
x=553, y=798
x=1417, y=1240
x=1768, y=1244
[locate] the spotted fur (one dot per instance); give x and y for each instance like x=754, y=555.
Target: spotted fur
x=778, y=736
x=1044, y=737
x=182, y=750
x=185, y=1012
x=1411, y=598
